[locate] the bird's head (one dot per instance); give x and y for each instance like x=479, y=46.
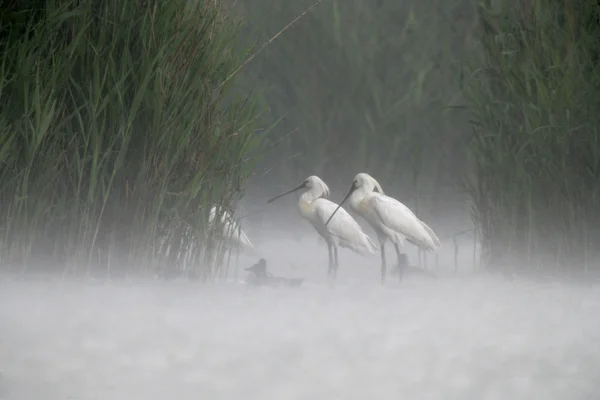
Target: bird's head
x=362, y=181
x=312, y=183
x=366, y=181
x=316, y=184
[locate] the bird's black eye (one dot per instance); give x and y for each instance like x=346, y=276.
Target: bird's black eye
x=306, y=182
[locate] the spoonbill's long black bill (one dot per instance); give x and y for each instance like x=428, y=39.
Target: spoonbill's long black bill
x=302, y=186
x=352, y=189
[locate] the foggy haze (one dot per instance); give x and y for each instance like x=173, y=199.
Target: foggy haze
x=464, y=337
x=125, y=164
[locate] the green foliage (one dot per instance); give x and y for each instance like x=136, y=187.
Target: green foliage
x=535, y=145
x=363, y=85
x=115, y=133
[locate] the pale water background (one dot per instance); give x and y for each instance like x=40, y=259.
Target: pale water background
x=466, y=337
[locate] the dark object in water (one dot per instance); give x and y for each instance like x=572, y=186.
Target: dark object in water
x=260, y=268
x=260, y=277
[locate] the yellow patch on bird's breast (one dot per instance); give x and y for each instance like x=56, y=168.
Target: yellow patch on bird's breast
x=363, y=206
x=305, y=207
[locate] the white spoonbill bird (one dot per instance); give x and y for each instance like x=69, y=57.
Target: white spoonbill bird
x=342, y=231
x=231, y=232
x=390, y=219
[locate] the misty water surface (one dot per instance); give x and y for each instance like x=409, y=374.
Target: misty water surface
x=454, y=338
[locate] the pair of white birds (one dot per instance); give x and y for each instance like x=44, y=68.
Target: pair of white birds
x=390, y=219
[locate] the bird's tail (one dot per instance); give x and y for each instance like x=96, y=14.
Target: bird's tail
x=245, y=241
x=372, y=246
x=428, y=241
x=364, y=248
x=367, y=247
x=435, y=241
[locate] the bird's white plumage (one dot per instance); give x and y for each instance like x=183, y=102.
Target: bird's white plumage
x=230, y=229
x=342, y=230
x=432, y=234
x=389, y=217
x=400, y=219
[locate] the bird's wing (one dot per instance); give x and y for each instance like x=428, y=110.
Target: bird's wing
x=232, y=229
x=343, y=227
x=399, y=218
x=432, y=234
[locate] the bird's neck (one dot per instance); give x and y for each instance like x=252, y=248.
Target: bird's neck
x=309, y=196
x=306, y=202
x=357, y=197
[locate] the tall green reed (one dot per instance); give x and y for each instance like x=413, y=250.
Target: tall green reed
x=119, y=130
x=535, y=142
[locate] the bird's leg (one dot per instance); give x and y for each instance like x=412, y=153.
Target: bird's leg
x=335, y=261
x=330, y=251
x=402, y=262
x=382, y=263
